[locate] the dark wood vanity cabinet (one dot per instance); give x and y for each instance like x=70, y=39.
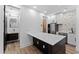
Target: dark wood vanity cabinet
x=46, y=48
x=42, y=46
x=11, y=37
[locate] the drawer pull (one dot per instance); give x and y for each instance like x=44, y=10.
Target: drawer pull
x=43, y=46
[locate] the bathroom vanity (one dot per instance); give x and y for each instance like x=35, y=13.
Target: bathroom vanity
x=49, y=43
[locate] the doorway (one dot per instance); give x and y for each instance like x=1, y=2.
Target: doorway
x=11, y=28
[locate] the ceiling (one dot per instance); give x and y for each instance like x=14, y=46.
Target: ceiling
x=51, y=9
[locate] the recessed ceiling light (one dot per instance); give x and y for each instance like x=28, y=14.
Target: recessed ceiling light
x=61, y=14
x=53, y=16
x=48, y=16
x=45, y=11
x=64, y=10
x=42, y=14
x=35, y=7
x=31, y=10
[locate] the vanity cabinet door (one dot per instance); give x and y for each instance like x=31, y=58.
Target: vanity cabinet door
x=36, y=42
x=43, y=47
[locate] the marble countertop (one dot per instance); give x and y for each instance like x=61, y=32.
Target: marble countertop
x=51, y=39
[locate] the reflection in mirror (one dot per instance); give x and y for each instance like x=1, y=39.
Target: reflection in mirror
x=13, y=23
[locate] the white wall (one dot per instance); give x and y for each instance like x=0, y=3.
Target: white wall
x=1, y=27
x=77, y=30
x=29, y=21
x=51, y=19
x=67, y=19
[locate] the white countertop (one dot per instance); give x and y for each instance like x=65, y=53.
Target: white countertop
x=51, y=39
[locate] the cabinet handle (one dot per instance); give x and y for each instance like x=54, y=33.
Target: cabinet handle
x=37, y=42
x=43, y=46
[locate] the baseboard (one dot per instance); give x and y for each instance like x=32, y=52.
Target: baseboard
x=12, y=41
